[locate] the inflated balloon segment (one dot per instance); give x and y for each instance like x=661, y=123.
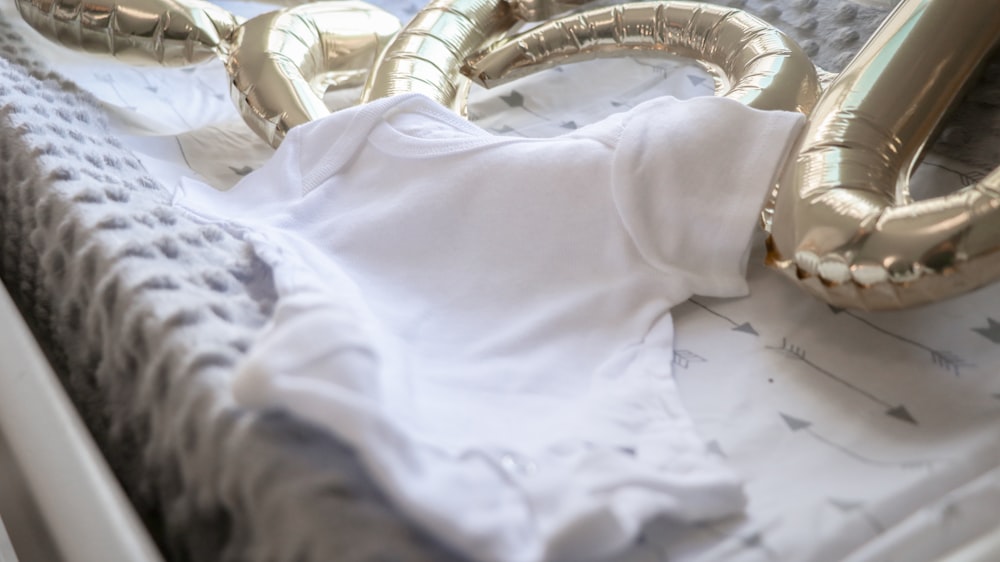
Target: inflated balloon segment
x=841, y=221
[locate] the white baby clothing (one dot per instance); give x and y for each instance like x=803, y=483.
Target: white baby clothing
x=486, y=319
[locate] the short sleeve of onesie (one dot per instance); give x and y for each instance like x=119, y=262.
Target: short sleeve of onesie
x=486, y=320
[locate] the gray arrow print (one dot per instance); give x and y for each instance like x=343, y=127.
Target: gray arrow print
x=991, y=331
x=947, y=360
x=513, y=99
x=655, y=549
x=854, y=506
x=799, y=425
x=696, y=80
x=165, y=98
x=110, y=81
x=714, y=448
x=966, y=179
x=516, y=100
x=744, y=327
x=684, y=357
x=652, y=543
x=506, y=130
x=754, y=540
x=180, y=147
x=792, y=351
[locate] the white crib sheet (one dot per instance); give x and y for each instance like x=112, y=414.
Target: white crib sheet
x=861, y=436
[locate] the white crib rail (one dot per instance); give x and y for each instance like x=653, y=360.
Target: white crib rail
x=84, y=508
x=6, y=548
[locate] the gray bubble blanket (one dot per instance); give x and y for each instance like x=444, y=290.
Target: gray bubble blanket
x=144, y=313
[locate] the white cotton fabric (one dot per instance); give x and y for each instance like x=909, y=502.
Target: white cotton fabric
x=486, y=319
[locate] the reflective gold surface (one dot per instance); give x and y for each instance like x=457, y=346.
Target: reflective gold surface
x=752, y=62
x=844, y=225
x=427, y=55
x=282, y=62
x=540, y=10
x=166, y=32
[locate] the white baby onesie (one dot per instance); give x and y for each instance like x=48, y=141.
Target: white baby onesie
x=486, y=320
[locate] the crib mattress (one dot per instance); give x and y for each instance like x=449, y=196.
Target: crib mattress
x=860, y=436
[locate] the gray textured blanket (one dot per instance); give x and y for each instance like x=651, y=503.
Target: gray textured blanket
x=97, y=258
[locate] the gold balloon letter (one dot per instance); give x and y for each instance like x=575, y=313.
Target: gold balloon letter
x=282, y=62
x=166, y=32
x=751, y=61
x=427, y=54
x=844, y=225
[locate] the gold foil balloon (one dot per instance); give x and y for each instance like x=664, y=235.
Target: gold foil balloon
x=426, y=56
x=752, y=62
x=844, y=225
x=165, y=32
x=282, y=62
x=540, y=10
